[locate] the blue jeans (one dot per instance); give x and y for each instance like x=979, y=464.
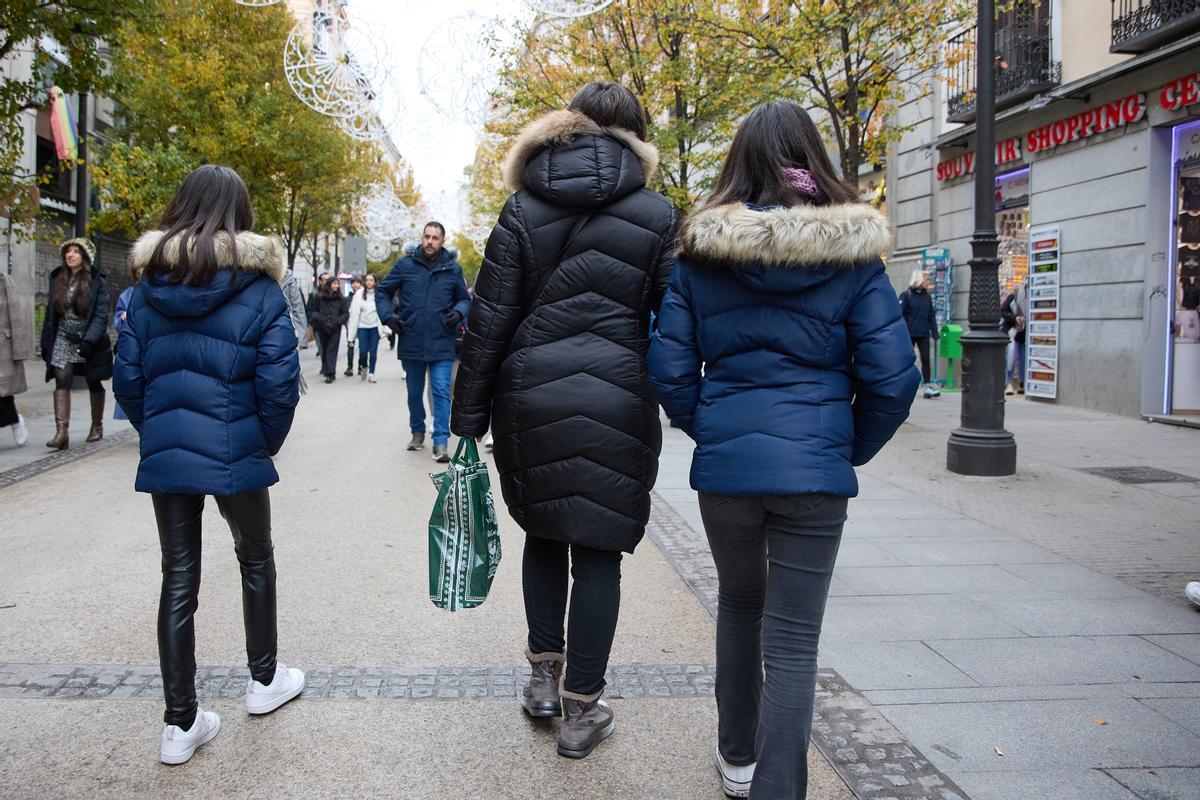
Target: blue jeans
x=774, y=559
x=368, y=348
x=439, y=376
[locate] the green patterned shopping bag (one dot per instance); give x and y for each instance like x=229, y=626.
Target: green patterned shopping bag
x=464, y=539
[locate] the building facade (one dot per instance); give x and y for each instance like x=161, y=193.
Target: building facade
x=1097, y=194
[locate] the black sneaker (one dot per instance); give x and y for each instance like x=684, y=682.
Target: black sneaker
x=349, y=373
x=441, y=454
x=418, y=441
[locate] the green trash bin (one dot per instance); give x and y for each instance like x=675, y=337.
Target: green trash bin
x=950, y=348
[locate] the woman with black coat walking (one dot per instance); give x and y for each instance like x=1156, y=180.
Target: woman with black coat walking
x=333, y=311
x=75, y=337
x=554, y=361
x=208, y=373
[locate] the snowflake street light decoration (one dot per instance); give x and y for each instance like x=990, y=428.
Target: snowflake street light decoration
x=256, y=3
x=458, y=72
x=383, y=215
x=477, y=234
x=378, y=249
x=569, y=8
x=337, y=70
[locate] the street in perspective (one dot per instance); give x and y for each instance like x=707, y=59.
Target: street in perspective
x=600, y=399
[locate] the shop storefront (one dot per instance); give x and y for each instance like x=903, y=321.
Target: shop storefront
x=1098, y=213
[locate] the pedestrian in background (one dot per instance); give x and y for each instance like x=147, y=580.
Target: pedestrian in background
x=916, y=306
x=365, y=327
x=555, y=361
x=208, y=372
x=75, y=337
x=1012, y=321
x=780, y=349
x=313, y=305
x=120, y=320
x=355, y=286
x=332, y=313
x=16, y=347
x=423, y=300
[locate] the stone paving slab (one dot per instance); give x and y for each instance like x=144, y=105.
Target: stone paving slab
x=911, y=618
x=996, y=551
x=1070, y=579
x=891, y=665
x=1159, y=783
x=1064, y=659
x=1093, y=616
x=1183, y=711
x=1186, y=645
x=1045, y=735
x=949, y=579
x=1076, y=784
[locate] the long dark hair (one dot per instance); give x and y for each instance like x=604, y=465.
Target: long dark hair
x=82, y=279
x=774, y=137
x=611, y=105
x=211, y=202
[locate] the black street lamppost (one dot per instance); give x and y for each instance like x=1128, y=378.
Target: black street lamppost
x=981, y=445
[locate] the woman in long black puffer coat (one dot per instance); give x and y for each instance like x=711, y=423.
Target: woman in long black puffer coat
x=555, y=361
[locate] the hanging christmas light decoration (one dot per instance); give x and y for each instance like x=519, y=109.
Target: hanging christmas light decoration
x=256, y=3
x=378, y=249
x=337, y=69
x=383, y=215
x=569, y=8
x=458, y=70
x=477, y=234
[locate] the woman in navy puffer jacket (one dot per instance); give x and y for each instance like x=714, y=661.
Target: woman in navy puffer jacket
x=207, y=372
x=781, y=351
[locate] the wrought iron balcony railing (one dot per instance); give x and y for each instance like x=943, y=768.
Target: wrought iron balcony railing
x=1024, y=60
x=1141, y=25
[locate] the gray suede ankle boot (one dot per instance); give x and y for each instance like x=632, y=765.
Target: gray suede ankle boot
x=540, y=696
x=587, y=721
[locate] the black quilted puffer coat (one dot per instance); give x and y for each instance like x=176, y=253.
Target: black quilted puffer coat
x=555, y=353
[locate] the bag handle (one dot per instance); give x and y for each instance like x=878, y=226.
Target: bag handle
x=472, y=451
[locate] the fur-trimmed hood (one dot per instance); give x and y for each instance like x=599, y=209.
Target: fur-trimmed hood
x=258, y=256
x=257, y=253
x=566, y=156
x=799, y=237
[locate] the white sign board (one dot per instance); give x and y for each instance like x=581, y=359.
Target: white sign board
x=1041, y=326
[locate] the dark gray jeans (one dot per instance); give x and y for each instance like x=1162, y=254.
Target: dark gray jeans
x=774, y=558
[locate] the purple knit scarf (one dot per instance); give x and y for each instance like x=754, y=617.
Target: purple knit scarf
x=803, y=183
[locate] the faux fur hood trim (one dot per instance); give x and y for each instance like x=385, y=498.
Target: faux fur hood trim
x=265, y=254
x=848, y=235
x=559, y=127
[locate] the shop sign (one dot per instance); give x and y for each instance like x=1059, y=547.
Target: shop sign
x=1041, y=331
x=1007, y=152
x=1100, y=119
x=1181, y=93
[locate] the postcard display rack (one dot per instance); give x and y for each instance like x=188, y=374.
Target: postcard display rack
x=1041, y=338
x=936, y=263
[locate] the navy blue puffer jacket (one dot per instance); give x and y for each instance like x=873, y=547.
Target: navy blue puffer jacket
x=780, y=348
x=209, y=375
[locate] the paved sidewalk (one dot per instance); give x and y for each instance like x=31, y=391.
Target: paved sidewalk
x=1026, y=635
x=405, y=700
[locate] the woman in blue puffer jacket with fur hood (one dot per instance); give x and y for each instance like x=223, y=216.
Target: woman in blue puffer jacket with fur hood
x=207, y=372
x=781, y=351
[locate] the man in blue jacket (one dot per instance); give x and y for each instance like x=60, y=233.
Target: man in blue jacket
x=424, y=300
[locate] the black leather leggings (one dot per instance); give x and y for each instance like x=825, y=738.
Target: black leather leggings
x=178, y=517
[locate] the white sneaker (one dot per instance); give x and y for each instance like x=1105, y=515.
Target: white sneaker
x=20, y=432
x=736, y=780
x=288, y=683
x=1192, y=591
x=178, y=745
x=371, y=378
x=931, y=390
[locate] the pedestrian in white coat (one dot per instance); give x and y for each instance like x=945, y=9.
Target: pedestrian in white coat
x=365, y=327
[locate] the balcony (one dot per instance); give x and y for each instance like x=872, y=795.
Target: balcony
x=1024, y=63
x=1141, y=25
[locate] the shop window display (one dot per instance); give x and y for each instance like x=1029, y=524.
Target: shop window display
x=1185, y=383
x=1012, y=226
